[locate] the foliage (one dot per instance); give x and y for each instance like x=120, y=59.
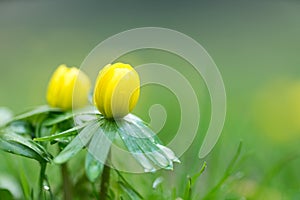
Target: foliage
x=31, y=133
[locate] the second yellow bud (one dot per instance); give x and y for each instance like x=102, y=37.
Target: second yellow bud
x=68, y=87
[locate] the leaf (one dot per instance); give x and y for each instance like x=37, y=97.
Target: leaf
x=18, y=149
x=99, y=148
x=58, y=118
x=36, y=111
x=133, y=118
x=131, y=193
x=146, y=131
x=196, y=176
x=16, y=144
x=146, y=148
x=5, y=194
x=21, y=128
x=191, y=182
x=128, y=184
x=135, y=151
x=67, y=133
x=37, y=123
x=211, y=194
x=93, y=167
x=80, y=141
x=82, y=115
x=138, y=145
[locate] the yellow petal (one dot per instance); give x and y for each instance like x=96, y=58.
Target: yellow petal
x=117, y=90
x=62, y=85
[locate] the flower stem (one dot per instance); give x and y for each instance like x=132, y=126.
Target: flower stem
x=41, y=180
x=104, y=180
x=67, y=186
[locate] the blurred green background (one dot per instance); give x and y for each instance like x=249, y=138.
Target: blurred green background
x=255, y=44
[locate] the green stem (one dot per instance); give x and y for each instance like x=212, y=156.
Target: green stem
x=67, y=186
x=41, y=180
x=44, y=185
x=49, y=189
x=94, y=189
x=105, y=180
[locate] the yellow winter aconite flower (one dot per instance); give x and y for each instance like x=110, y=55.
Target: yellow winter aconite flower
x=117, y=90
x=67, y=87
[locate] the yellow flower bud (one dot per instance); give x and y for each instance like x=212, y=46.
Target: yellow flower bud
x=117, y=90
x=67, y=87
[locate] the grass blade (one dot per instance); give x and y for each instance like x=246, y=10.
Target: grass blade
x=211, y=194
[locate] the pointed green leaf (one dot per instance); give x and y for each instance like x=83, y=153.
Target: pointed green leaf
x=86, y=114
x=147, y=145
x=36, y=111
x=79, y=116
x=125, y=182
x=196, y=176
x=131, y=193
x=16, y=144
x=67, y=133
x=100, y=144
x=58, y=119
x=191, y=182
x=146, y=132
x=144, y=145
x=80, y=141
x=134, y=149
x=21, y=128
x=99, y=147
x=211, y=194
x=6, y=194
x=93, y=167
x=18, y=149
